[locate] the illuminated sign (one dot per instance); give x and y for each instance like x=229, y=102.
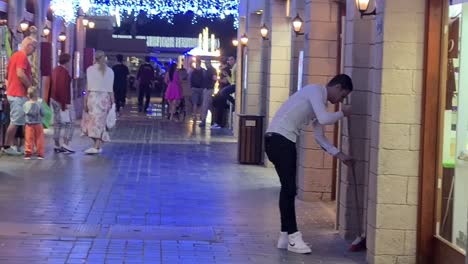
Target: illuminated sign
x=168, y=42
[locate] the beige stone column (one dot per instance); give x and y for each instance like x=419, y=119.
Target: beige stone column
x=254, y=65
x=55, y=32
x=239, y=57
x=395, y=128
x=358, y=44
x=16, y=10
x=70, y=42
x=278, y=61
x=80, y=43
x=297, y=44
x=315, y=167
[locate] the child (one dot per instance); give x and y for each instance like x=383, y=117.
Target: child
x=33, y=129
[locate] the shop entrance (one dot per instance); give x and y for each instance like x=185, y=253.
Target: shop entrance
x=444, y=201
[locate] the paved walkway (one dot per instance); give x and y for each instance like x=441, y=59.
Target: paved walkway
x=160, y=193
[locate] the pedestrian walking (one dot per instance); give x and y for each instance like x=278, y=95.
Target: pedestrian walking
x=98, y=102
x=145, y=77
x=174, y=91
x=209, y=80
x=121, y=73
x=196, y=82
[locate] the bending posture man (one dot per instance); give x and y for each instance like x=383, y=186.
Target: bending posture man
x=308, y=104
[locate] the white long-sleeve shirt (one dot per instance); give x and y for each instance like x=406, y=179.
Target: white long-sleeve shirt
x=308, y=104
x=98, y=82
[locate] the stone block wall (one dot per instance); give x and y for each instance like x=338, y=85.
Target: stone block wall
x=384, y=56
x=279, y=57
x=395, y=128
x=355, y=130
x=316, y=176
x=254, y=66
x=297, y=45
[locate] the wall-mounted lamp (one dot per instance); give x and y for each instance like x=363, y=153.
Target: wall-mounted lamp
x=264, y=32
x=62, y=37
x=45, y=31
x=244, y=40
x=91, y=24
x=24, y=25
x=297, y=25
x=85, y=21
x=235, y=42
x=362, y=6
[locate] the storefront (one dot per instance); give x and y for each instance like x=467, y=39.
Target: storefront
x=444, y=197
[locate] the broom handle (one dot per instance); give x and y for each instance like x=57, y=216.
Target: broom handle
x=353, y=173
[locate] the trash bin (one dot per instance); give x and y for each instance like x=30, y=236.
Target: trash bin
x=250, y=149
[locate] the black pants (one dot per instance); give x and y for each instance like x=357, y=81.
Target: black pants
x=219, y=110
x=120, y=94
x=282, y=153
x=144, y=91
x=220, y=103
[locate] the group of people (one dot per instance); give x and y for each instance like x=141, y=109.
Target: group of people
x=202, y=83
x=105, y=86
x=193, y=88
x=27, y=110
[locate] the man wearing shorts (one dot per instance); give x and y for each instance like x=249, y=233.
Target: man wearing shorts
x=196, y=82
x=19, y=77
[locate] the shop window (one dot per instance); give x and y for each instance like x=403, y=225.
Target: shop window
x=453, y=171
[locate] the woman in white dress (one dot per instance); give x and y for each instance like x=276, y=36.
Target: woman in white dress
x=98, y=102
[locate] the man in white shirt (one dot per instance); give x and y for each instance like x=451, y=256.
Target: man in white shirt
x=307, y=105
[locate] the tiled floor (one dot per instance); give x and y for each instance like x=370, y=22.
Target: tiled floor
x=160, y=193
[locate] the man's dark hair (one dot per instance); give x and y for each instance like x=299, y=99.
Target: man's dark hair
x=147, y=58
x=342, y=79
x=119, y=57
x=64, y=58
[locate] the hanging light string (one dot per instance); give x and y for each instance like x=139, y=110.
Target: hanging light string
x=164, y=9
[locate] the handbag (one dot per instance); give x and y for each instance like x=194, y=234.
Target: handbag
x=47, y=118
x=65, y=116
x=111, y=118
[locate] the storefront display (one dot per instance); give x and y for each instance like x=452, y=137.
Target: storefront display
x=453, y=173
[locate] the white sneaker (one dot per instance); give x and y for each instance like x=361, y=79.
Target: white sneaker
x=283, y=240
x=21, y=150
x=92, y=151
x=67, y=148
x=297, y=245
x=12, y=151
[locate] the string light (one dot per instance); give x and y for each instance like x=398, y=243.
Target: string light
x=164, y=9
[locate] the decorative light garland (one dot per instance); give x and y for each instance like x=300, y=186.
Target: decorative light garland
x=164, y=9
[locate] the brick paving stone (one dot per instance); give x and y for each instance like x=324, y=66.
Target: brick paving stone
x=160, y=193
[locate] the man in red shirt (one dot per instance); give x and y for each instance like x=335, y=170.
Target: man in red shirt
x=19, y=79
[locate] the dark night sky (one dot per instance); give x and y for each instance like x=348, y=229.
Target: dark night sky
x=183, y=27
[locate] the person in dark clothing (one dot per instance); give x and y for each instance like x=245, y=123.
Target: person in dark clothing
x=224, y=95
x=209, y=80
x=145, y=76
x=196, y=82
x=120, y=82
